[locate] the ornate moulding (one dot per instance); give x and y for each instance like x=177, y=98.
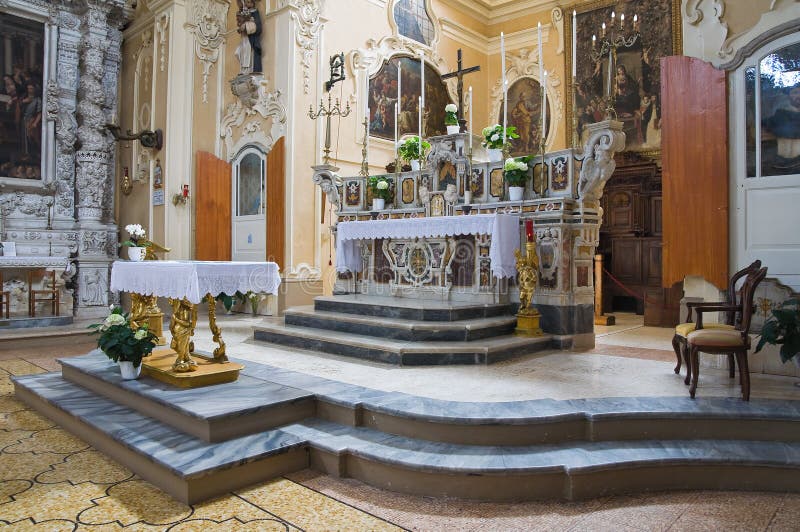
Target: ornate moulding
x=264, y=104
x=209, y=30
x=525, y=64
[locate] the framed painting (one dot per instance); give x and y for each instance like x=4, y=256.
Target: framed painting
x=635, y=77
x=383, y=97
x=525, y=113
x=21, y=118
x=413, y=21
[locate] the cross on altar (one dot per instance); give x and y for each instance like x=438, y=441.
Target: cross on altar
x=460, y=73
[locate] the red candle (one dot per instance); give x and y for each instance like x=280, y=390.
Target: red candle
x=529, y=229
x=185, y=191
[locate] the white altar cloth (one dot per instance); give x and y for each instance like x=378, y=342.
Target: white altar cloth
x=503, y=228
x=194, y=279
x=34, y=261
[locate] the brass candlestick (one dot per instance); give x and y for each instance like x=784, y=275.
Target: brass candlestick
x=528, y=269
x=364, y=163
x=329, y=111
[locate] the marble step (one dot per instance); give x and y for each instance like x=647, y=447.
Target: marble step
x=402, y=329
x=401, y=353
x=188, y=468
x=568, y=471
x=410, y=309
x=211, y=413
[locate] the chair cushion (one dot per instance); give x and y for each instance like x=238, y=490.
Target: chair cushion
x=683, y=329
x=716, y=338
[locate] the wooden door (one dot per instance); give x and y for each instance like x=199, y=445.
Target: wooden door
x=695, y=183
x=276, y=203
x=212, y=199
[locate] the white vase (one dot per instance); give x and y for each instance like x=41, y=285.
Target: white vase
x=515, y=193
x=452, y=130
x=378, y=204
x=128, y=371
x=136, y=254
x=414, y=165
x=495, y=155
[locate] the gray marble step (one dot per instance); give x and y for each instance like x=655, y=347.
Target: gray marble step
x=188, y=468
x=410, y=309
x=192, y=470
x=401, y=353
x=402, y=329
x=212, y=413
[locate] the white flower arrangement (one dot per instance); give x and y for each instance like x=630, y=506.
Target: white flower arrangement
x=450, y=108
x=137, y=238
x=515, y=172
x=382, y=185
x=450, y=118
x=513, y=164
x=493, y=136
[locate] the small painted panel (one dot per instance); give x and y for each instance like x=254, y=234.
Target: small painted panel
x=408, y=190
x=559, y=170
x=496, y=186
x=582, y=276
x=353, y=195
x=476, y=183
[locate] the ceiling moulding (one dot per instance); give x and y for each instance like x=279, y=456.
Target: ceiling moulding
x=520, y=39
x=453, y=31
x=496, y=11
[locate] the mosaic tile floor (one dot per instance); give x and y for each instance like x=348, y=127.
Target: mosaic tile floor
x=51, y=480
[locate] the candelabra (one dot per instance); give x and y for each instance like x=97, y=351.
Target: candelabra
x=613, y=37
x=364, y=163
x=329, y=111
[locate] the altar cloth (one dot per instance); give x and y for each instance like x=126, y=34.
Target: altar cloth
x=194, y=279
x=503, y=228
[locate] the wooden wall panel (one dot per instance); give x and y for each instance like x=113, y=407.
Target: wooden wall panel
x=212, y=199
x=276, y=203
x=694, y=139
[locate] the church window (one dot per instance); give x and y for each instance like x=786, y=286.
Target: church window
x=250, y=185
x=413, y=21
x=772, y=92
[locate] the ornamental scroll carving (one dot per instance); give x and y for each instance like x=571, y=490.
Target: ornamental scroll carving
x=209, y=34
x=330, y=182
x=266, y=104
x=605, y=139
x=309, y=24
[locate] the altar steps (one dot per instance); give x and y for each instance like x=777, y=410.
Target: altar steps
x=499, y=451
x=403, y=332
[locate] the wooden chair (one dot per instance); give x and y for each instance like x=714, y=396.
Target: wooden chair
x=5, y=298
x=47, y=295
x=722, y=341
x=682, y=330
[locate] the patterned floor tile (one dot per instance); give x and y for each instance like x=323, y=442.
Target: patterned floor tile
x=134, y=501
x=54, y=440
x=85, y=466
x=44, y=502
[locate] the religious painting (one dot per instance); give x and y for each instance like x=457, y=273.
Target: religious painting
x=447, y=175
x=779, y=85
x=634, y=78
x=496, y=183
x=407, y=190
x=352, y=196
x=476, y=183
x=413, y=21
x=525, y=113
x=437, y=204
x=383, y=97
x=22, y=58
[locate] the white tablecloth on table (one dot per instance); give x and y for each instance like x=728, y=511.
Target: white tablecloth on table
x=503, y=228
x=34, y=261
x=194, y=279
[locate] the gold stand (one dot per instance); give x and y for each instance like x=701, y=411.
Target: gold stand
x=145, y=309
x=528, y=269
x=207, y=371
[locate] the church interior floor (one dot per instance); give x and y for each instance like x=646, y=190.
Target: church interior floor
x=51, y=480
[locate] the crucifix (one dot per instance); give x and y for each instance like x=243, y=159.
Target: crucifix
x=460, y=73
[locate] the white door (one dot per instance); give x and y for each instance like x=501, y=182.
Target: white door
x=249, y=207
x=765, y=160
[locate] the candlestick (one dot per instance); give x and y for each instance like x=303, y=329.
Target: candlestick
x=422, y=95
x=574, y=44
x=529, y=229
x=366, y=131
x=622, y=20
x=544, y=108
x=366, y=97
x=399, y=92
x=469, y=130
x=396, y=129
x=603, y=27
x=505, y=85
x=594, y=41
x=613, y=16
x=608, y=89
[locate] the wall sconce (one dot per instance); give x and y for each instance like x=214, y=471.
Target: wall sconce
x=181, y=197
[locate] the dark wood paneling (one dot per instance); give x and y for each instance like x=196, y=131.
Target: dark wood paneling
x=212, y=197
x=276, y=203
x=695, y=186
x=626, y=260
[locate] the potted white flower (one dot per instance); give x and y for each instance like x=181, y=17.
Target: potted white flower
x=124, y=343
x=451, y=119
x=516, y=174
x=493, y=140
x=381, y=191
x=137, y=242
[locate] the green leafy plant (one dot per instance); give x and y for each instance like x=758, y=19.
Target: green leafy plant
x=227, y=301
x=409, y=150
x=381, y=187
x=121, y=341
x=450, y=117
x=515, y=172
x=783, y=328
x=493, y=136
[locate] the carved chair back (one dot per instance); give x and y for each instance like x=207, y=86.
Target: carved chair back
x=732, y=318
x=748, y=292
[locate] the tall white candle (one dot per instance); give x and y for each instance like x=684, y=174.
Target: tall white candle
x=574, y=43
x=541, y=61
x=544, y=108
x=469, y=129
x=419, y=106
x=399, y=106
x=609, y=75
x=396, y=128
x=505, y=84
x=366, y=117
x=422, y=93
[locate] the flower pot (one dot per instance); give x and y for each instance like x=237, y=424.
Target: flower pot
x=136, y=254
x=415, y=165
x=128, y=371
x=378, y=204
x=515, y=193
x=452, y=130
x=495, y=155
